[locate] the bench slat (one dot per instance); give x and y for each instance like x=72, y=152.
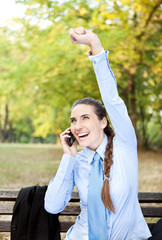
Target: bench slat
x=75, y=197
x=71, y=210
x=144, y=197
x=152, y=211
x=8, y=195
x=7, y=209
x=5, y=226
x=11, y=195
x=149, y=197
x=64, y=226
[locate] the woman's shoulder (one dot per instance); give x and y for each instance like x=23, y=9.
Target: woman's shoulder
x=85, y=155
x=81, y=155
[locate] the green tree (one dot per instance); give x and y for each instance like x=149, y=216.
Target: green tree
x=50, y=73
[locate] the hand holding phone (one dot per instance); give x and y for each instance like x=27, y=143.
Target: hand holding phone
x=69, y=143
x=71, y=139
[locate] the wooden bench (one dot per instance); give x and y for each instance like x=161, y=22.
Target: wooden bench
x=151, y=205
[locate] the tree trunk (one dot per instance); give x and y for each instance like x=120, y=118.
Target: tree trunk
x=131, y=93
x=10, y=132
x=144, y=136
x=3, y=129
x=58, y=141
x=0, y=126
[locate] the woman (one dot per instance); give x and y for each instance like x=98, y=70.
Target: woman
x=117, y=153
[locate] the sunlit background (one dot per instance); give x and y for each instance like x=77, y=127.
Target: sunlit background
x=42, y=74
x=8, y=10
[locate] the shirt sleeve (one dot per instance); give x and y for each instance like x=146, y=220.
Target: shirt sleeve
x=114, y=105
x=60, y=188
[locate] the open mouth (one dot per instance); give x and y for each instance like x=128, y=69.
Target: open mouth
x=83, y=136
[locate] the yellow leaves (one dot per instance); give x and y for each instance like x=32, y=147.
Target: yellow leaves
x=42, y=130
x=156, y=70
x=145, y=74
x=133, y=69
x=61, y=69
x=152, y=82
x=125, y=2
x=104, y=27
x=130, y=67
x=103, y=8
x=137, y=7
x=45, y=121
x=41, y=106
x=82, y=11
x=41, y=124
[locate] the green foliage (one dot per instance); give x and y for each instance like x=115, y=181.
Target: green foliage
x=154, y=134
x=42, y=73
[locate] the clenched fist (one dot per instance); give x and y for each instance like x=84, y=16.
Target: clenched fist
x=80, y=35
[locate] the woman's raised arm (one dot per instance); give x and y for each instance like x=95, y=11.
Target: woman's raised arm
x=114, y=105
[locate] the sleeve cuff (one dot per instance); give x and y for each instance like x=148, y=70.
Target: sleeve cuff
x=90, y=53
x=96, y=58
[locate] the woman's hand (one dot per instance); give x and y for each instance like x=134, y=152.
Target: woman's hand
x=68, y=150
x=80, y=35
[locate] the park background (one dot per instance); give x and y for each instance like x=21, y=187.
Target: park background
x=42, y=74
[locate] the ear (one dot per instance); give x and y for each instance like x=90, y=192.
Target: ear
x=104, y=123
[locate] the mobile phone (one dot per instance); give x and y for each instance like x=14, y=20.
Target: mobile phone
x=71, y=139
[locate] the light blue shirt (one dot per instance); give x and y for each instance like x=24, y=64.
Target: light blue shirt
x=128, y=222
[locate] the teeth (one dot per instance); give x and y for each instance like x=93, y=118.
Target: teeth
x=82, y=134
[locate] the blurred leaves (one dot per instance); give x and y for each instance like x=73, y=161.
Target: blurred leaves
x=42, y=73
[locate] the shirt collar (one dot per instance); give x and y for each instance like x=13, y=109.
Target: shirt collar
x=100, y=150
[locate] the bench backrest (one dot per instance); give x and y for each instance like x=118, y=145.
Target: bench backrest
x=151, y=205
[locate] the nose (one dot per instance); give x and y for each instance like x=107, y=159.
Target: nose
x=78, y=125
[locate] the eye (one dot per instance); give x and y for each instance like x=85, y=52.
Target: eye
x=85, y=117
x=73, y=120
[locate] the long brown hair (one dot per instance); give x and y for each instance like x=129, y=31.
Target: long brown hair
x=100, y=111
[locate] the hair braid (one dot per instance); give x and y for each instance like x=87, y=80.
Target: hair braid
x=105, y=194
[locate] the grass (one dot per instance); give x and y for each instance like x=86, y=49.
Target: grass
x=23, y=165
x=26, y=165
x=30, y=164
x=150, y=169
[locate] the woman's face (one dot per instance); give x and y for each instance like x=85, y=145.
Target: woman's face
x=85, y=126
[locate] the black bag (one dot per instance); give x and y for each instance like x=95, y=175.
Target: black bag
x=157, y=231
x=30, y=221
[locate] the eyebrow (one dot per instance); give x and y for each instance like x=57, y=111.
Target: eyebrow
x=84, y=115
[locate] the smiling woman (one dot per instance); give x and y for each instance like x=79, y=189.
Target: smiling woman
x=85, y=125
x=105, y=172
